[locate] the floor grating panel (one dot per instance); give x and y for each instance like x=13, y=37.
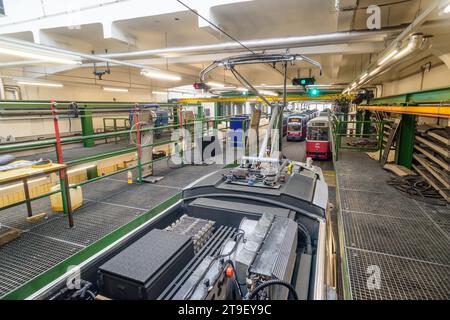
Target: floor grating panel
x=91, y=223
x=402, y=237
x=400, y=279
x=407, y=240
x=27, y=257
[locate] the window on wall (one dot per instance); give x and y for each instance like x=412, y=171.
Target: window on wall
x=2, y=8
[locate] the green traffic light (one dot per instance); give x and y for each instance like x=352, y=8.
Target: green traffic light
x=303, y=81
x=314, y=92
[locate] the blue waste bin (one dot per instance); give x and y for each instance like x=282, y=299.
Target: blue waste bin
x=235, y=134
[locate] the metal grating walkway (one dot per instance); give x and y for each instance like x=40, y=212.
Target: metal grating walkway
x=408, y=240
x=109, y=204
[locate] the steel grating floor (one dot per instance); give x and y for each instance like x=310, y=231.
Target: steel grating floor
x=406, y=239
x=109, y=204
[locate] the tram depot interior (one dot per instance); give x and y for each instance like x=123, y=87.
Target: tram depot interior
x=225, y=150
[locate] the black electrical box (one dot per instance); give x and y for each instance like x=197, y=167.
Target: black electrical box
x=144, y=269
x=303, y=81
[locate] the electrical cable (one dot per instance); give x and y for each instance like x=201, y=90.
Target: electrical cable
x=268, y=283
x=216, y=26
x=417, y=188
x=223, y=31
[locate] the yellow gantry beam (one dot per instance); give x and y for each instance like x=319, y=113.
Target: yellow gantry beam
x=430, y=111
x=257, y=99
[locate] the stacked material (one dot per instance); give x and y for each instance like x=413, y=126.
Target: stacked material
x=432, y=158
x=199, y=230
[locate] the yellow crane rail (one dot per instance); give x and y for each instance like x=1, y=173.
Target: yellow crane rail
x=427, y=111
x=257, y=99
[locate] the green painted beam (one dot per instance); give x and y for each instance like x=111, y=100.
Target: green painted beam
x=405, y=141
x=61, y=268
x=426, y=96
x=87, y=128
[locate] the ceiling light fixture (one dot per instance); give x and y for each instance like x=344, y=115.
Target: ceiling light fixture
x=447, y=9
x=387, y=57
x=43, y=58
x=159, y=92
x=160, y=75
x=41, y=84
x=268, y=93
x=215, y=84
x=374, y=71
x=115, y=89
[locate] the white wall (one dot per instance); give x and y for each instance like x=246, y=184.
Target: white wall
x=438, y=77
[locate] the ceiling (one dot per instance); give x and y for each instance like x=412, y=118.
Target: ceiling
x=342, y=61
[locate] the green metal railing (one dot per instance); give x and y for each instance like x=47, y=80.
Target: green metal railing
x=369, y=134
x=114, y=125
x=105, y=155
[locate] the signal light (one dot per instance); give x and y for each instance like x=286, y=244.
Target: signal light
x=303, y=81
x=200, y=86
x=314, y=92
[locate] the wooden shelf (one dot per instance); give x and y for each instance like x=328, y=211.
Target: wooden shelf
x=444, y=192
x=435, y=147
x=428, y=154
x=439, y=174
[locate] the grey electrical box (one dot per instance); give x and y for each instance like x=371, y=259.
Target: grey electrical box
x=144, y=269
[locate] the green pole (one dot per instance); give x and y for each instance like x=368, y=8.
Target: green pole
x=201, y=116
x=366, y=125
x=216, y=114
x=405, y=141
x=338, y=139
x=359, y=124
x=87, y=128
x=380, y=138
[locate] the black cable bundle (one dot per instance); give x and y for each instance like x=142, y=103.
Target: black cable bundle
x=417, y=188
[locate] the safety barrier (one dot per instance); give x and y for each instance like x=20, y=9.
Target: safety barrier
x=362, y=135
x=115, y=133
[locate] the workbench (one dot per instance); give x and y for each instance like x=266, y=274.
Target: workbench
x=23, y=174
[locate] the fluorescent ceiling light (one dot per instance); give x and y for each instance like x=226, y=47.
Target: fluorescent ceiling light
x=41, y=84
x=160, y=92
x=374, y=71
x=447, y=9
x=160, y=75
x=386, y=58
x=44, y=58
x=365, y=75
x=267, y=93
x=242, y=89
x=115, y=89
x=215, y=84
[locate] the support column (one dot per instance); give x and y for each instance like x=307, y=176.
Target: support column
x=366, y=125
x=405, y=141
x=216, y=114
x=87, y=128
